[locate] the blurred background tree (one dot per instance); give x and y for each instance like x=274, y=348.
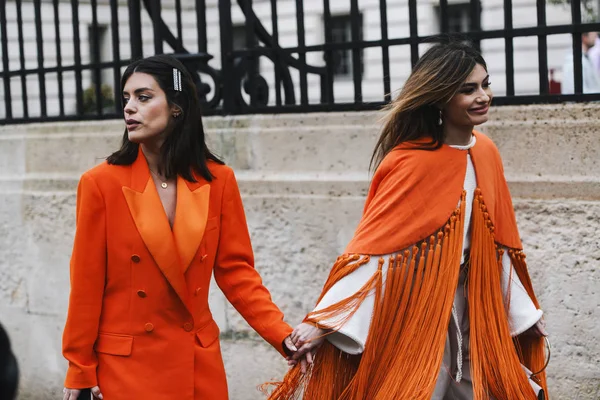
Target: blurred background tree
x=89, y=99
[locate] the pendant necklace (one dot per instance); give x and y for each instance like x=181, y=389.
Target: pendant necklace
x=164, y=184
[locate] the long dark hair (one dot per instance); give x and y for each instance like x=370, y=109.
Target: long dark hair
x=435, y=79
x=185, y=149
x=9, y=370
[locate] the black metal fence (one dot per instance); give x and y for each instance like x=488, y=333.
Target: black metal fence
x=254, y=57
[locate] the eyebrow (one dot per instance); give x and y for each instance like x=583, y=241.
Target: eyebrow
x=136, y=91
x=471, y=84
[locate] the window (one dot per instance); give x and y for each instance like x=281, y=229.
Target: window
x=238, y=36
x=341, y=32
x=459, y=18
x=98, y=55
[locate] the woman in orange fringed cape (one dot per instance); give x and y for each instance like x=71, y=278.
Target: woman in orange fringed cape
x=432, y=298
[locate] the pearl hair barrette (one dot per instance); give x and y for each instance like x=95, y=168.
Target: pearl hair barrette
x=176, y=79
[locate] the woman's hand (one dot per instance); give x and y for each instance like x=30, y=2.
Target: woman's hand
x=73, y=394
x=308, y=339
x=288, y=346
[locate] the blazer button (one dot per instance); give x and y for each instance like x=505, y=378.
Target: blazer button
x=188, y=326
x=149, y=327
x=141, y=293
x=197, y=291
x=135, y=258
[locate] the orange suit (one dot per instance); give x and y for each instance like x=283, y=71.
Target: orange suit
x=139, y=324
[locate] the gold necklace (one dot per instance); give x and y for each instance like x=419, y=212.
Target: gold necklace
x=164, y=184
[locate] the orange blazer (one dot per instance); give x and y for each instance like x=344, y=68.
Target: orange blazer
x=138, y=323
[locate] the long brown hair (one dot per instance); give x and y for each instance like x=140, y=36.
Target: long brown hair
x=434, y=80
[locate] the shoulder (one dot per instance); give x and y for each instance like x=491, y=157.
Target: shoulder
x=104, y=171
x=219, y=171
x=410, y=158
x=484, y=143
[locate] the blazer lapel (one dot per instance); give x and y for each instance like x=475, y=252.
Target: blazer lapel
x=190, y=218
x=152, y=224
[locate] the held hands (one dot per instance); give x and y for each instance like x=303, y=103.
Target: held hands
x=73, y=394
x=306, y=339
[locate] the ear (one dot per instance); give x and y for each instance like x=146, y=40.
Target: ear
x=175, y=111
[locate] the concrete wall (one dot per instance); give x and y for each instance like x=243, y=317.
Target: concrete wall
x=303, y=180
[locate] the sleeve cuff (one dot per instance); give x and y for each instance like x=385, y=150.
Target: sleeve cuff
x=526, y=323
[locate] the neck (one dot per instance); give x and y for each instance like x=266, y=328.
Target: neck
x=152, y=154
x=457, y=135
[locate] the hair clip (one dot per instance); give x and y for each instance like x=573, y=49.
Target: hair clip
x=176, y=79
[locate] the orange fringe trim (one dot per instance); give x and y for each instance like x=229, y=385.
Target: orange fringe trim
x=495, y=365
x=414, y=295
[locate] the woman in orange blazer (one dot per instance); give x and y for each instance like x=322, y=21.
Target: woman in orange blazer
x=153, y=223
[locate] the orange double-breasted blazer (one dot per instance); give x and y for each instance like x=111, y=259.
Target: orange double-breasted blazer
x=138, y=323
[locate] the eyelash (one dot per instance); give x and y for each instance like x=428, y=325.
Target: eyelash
x=469, y=91
x=142, y=98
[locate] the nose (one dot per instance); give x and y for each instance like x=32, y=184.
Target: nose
x=129, y=107
x=484, y=96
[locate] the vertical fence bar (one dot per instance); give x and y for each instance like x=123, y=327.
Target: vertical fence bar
x=444, y=23
x=18, y=4
x=5, y=65
x=542, y=48
x=329, y=58
x=357, y=66
x=577, y=50
x=414, y=31
x=116, y=58
x=475, y=7
x=61, y=96
x=275, y=26
x=201, y=24
x=385, y=51
x=155, y=10
x=227, y=70
x=37, y=6
x=301, y=51
x=508, y=49
x=252, y=71
x=96, y=55
x=179, y=26
x=135, y=29
x=77, y=56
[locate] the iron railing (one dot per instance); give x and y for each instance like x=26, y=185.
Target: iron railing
x=299, y=78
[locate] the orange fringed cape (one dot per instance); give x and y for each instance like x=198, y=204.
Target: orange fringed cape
x=411, y=210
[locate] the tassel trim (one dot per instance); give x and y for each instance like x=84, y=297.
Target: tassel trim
x=413, y=296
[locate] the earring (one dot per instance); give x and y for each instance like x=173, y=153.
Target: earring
x=440, y=121
x=176, y=115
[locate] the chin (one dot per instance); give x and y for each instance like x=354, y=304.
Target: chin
x=135, y=137
x=480, y=120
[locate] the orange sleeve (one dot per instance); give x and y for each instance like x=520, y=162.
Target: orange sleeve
x=236, y=276
x=88, y=273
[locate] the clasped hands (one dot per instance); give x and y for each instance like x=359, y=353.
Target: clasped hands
x=303, y=343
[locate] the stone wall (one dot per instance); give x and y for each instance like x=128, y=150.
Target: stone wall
x=303, y=179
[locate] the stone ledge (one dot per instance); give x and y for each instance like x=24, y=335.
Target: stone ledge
x=276, y=184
